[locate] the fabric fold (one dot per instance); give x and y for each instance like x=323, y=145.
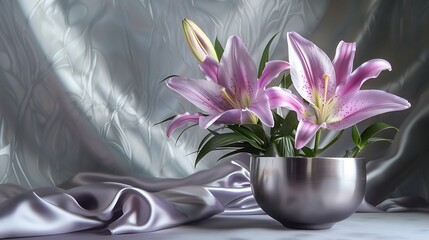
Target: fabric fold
x=118, y=205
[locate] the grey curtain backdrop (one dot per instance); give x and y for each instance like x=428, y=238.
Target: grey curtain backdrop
x=80, y=82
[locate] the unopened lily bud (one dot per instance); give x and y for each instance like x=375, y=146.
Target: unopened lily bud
x=198, y=41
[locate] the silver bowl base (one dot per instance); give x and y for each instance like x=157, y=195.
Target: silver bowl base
x=305, y=226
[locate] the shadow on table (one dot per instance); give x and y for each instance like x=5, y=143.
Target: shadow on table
x=239, y=222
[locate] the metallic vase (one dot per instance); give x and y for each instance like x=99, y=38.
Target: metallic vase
x=308, y=193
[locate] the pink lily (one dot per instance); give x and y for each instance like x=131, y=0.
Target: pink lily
x=332, y=90
x=231, y=92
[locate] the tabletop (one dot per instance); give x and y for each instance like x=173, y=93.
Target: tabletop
x=360, y=226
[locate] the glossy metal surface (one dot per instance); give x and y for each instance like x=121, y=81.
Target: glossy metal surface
x=308, y=193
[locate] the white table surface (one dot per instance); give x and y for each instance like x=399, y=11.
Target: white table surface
x=389, y=226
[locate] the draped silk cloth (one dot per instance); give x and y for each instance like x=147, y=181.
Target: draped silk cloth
x=126, y=204
x=80, y=92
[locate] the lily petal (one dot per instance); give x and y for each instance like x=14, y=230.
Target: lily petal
x=367, y=70
x=237, y=71
x=364, y=104
x=305, y=132
x=209, y=68
x=203, y=94
x=309, y=66
x=271, y=71
x=180, y=120
x=343, y=61
x=261, y=108
x=280, y=97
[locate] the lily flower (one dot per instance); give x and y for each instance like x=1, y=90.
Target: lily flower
x=231, y=92
x=198, y=41
x=332, y=90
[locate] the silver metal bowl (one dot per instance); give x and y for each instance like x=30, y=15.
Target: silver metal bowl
x=308, y=193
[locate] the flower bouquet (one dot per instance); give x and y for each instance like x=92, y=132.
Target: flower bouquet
x=282, y=128
x=235, y=96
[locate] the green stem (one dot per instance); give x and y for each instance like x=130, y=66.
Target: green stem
x=356, y=151
x=316, y=142
x=272, y=150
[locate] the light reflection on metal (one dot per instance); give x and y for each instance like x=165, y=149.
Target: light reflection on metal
x=308, y=193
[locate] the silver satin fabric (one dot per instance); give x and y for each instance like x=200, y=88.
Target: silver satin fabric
x=118, y=205
x=80, y=92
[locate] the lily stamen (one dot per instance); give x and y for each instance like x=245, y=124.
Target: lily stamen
x=227, y=98
x=326, y=78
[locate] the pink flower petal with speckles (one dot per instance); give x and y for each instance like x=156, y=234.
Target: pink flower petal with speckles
x=309, y=64
x=364, y=104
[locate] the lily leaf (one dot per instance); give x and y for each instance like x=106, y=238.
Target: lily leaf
x=247, y=133
x=285, y=147
x=290, y=123
x=241, y=150
x=183, y=131
x=165, y=120
x=265, y=56
x=272, y=151
x=373, y=130
x=221, y=140
x=286, y=81
x=218, y=49
x=356, y=135
x=308, y=152
x=206, y=138
x=352, y=152
x=286, y=127
x=278, y=120
x=163, y=80
x=257, y=129
x=377, y=139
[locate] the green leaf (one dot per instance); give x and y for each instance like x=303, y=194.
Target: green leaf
x=257, y=129
x=352, y=152
x=355, y=135
x=249, y=136
x=163, y=80
x=272, y=151
x=373, y=130
x=278, y=120
x=206, y=138
x=235, y=146
x=334, y=140
x=218, y=49
x=377, y=139
x=183, y=131
x=165, y=120
x=282, y=147
x=286, y=81
x=308, y=152
x=220, y=140
x=286, y=126
x=285, y=147
x=289, y=124
x=247, y=133
x=265, y=56
x=241, y=150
